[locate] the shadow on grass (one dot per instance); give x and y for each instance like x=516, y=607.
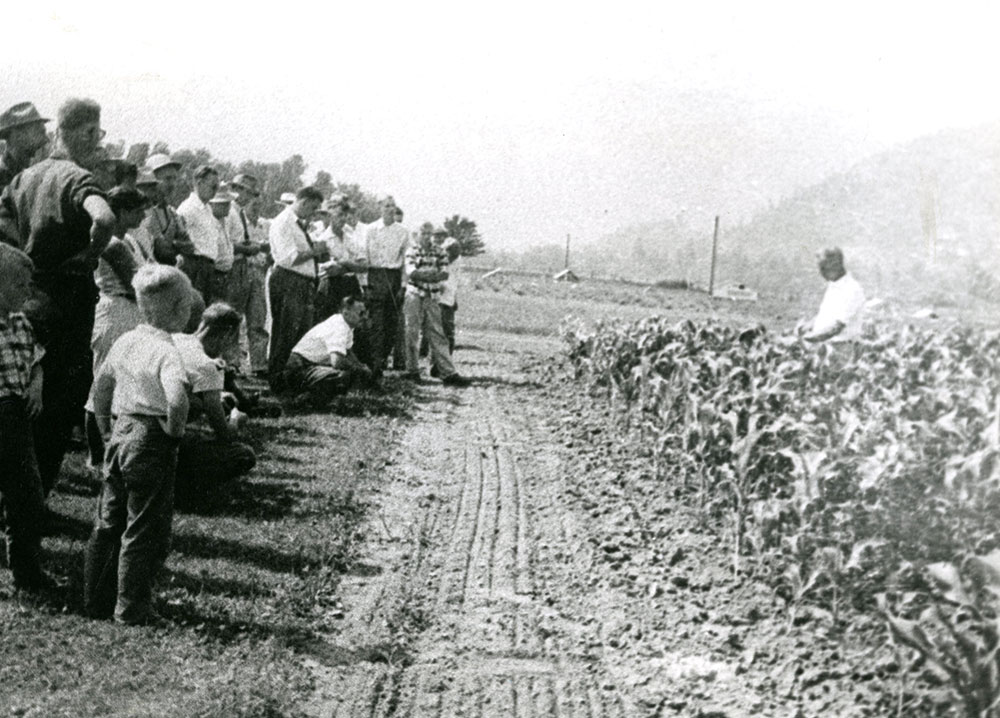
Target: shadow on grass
x=267, y=500
x=506, y=381
x=206, y=546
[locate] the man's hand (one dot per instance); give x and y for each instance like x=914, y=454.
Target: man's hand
x=34, y=397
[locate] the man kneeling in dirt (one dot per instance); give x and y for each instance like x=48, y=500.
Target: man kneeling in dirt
x=210, y=456
x=323, y=364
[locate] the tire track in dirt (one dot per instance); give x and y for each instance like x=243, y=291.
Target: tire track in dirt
x=454, y=538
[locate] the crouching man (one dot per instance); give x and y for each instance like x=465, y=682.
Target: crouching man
x=209, y=454
x=323, y=364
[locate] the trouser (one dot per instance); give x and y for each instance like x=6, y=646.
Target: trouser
x=292, y=296
x=21, y=490
x=201, y=271
x=220, y=287
x=448, y=324
x=205, y=462
x=61, y=312
x=320, y=381
x=131, y=536
x=246, y=295
x=384, y=307
x=424, y=314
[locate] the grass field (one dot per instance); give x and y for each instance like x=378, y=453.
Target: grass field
x=252, y=576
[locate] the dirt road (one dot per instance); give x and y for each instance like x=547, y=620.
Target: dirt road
x=459, y=604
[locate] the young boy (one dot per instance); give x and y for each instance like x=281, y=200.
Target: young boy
x=141, y=406
x=20, y=401
x=210, y=456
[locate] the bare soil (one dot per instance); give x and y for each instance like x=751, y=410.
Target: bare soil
x=521, y=559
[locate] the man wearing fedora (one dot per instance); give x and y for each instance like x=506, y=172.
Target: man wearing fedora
x=56, y=213
x=165, y=229
x=23, y=131
x=204, y=230
x=246, y=279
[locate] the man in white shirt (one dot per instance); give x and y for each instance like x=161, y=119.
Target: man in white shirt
x=323, y=363
x=839, y=316
x=386, y=247
x=338, y=275
x=293, y=280
x=203, y=231
x=448, y=298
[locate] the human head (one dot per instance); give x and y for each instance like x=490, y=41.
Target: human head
x=80, y=132
x=831, y=264
x=220, y=204
x=307, y=201
x=426, y=232
x=129, y=206
x=219, y=330
x=452, y=247
x=354, y=311
x=340, y=211
x=244, y=186
x=126, y=174
x=23, y=129
x=166, y=172
x=15, y=279
x=399, y=214
x=388, y=211
x=252, y=211
x=163, y=294
x=206, y=182
x=146, y=183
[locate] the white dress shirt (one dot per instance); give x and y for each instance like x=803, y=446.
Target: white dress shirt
x=386, y=246
x=843, y=301
x=331, y=336
x=287, y=238
x=202, y=226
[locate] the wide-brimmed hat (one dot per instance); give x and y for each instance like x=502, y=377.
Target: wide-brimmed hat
x=247, y=182
x=221, y=197
x=146, y=177
x=23, y=113
x=159, y=161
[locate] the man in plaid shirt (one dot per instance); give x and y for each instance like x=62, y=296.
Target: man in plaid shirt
x=425, y=270
x=20, y=402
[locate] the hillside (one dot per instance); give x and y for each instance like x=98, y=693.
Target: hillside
x=920, y=221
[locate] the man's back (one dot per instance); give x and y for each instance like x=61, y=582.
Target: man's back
x=42, y=212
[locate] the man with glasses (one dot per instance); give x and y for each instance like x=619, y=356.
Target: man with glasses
x=57, y=214
x=23, y=131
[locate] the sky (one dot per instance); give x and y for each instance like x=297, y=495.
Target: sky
x=536, y=120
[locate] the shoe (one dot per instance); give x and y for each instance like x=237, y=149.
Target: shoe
x=41, y=583
x=456, y=380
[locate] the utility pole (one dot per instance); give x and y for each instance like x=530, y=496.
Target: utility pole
x=567, y=251
x=715, y=244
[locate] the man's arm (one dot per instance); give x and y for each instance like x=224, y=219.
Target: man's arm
x=833, y=331
x=102, y=223
x=215, y=413
x=34, y=397
x=348, y=362
x=175, y=388
x=428, y=275
x=104, y=389
x=119, y=258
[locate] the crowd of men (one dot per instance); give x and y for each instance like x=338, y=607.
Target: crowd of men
x=139, y=321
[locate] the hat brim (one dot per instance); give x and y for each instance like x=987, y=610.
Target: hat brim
x=22, y=123
x=175, y=165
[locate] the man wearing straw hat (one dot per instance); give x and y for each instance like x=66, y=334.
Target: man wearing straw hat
x=23, y=130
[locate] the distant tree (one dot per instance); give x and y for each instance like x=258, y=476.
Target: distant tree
x=366, y=203
x=116, y=150
x=160, y=148
x=324, y=183
x=138, y=153
x=464, y=230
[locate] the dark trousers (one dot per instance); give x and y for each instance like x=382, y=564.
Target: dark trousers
x=246, y=294
x=204, y=463
x=61, y=312
x=292, y=298
x=201, y=271
x=448, y=324
x=320, y=381
x=21, y=490
x=385, y=307
x=131, y=536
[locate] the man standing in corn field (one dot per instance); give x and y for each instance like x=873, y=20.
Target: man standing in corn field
x=839, y=316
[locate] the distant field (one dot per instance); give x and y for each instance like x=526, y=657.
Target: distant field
x=538, y=306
